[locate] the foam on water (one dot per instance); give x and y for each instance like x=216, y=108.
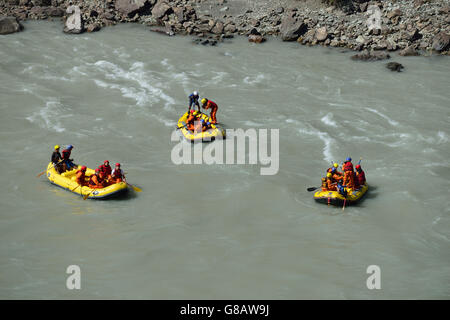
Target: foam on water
x=391, y=122
x=328, y=120
x=50, y=116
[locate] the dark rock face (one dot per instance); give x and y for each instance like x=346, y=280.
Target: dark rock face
x=394, y=66
x=441, y=42
x=371, y=56
x=132, y=7
x=9, y=25
x=292, y=28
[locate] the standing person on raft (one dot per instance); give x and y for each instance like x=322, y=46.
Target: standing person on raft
x=209, y=104
x=67, y=162
x=193, y=101
x=57, y=159
x=349, y=175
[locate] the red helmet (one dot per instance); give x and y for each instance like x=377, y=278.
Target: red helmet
x=117, y=164
x=192, y=111
x=358, y=166
x=106, y=162
x=97, y=170
x=83, y=168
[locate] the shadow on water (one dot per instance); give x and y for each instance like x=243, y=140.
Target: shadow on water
x=127, y=195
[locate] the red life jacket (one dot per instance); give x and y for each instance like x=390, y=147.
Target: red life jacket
x=361, y=177
x=106, y=169
x=348, y=166
x=66, y=154
x=117, y=173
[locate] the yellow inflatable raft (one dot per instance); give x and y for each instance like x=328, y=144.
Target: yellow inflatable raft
x=208, y=135
x=67, y=181
x=335, y=198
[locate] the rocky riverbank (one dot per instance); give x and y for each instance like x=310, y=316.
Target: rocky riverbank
x=411, y=27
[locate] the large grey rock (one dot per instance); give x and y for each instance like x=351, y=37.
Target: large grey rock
x=371, y=55
x=321, y=34
x=441, y=42
x=132, y=7
x=9, y=25
x=409, y=51
x=161, y=9
x=292, y=28
x=218, y=28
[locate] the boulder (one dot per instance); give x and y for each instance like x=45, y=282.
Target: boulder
x=41, y=3
x=218, y=28
x=179, y=13
x=132, y=7
x=9, y=25
x=441, y=42
x=54, y=12
x=409, y=51
x=256, y=38
x=371, y=55
x=230, y=28
x=394, y=66
x=321, y=34
x=93, y=27
x=292, y=28
x=394, y=13
x=161, y=9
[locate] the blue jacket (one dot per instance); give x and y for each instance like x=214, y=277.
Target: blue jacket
x=193, y=100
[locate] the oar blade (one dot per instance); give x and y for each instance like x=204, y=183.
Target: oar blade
x=311, y=189
x=137, y=189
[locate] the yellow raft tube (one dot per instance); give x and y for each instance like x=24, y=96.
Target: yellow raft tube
x=208, y=135
x=335, y=198
x=67, y=181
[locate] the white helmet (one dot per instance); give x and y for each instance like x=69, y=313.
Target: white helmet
x=195, y=93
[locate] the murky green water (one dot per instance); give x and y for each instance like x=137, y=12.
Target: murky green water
x=220, y=231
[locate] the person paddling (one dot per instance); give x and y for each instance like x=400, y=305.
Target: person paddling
x=106, y=169
x=81, y=176
x=360, y=175
x=56, y=159
x=209, y=104
x=117, y=175
x=96, y=181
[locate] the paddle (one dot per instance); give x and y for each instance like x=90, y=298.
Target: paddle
x=312, y=188
x=87, y=196
x=134, y=188
x=40, y=174
x=360, y=158
x=344, y=204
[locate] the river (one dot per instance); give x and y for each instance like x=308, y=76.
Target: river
x=220, y=231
